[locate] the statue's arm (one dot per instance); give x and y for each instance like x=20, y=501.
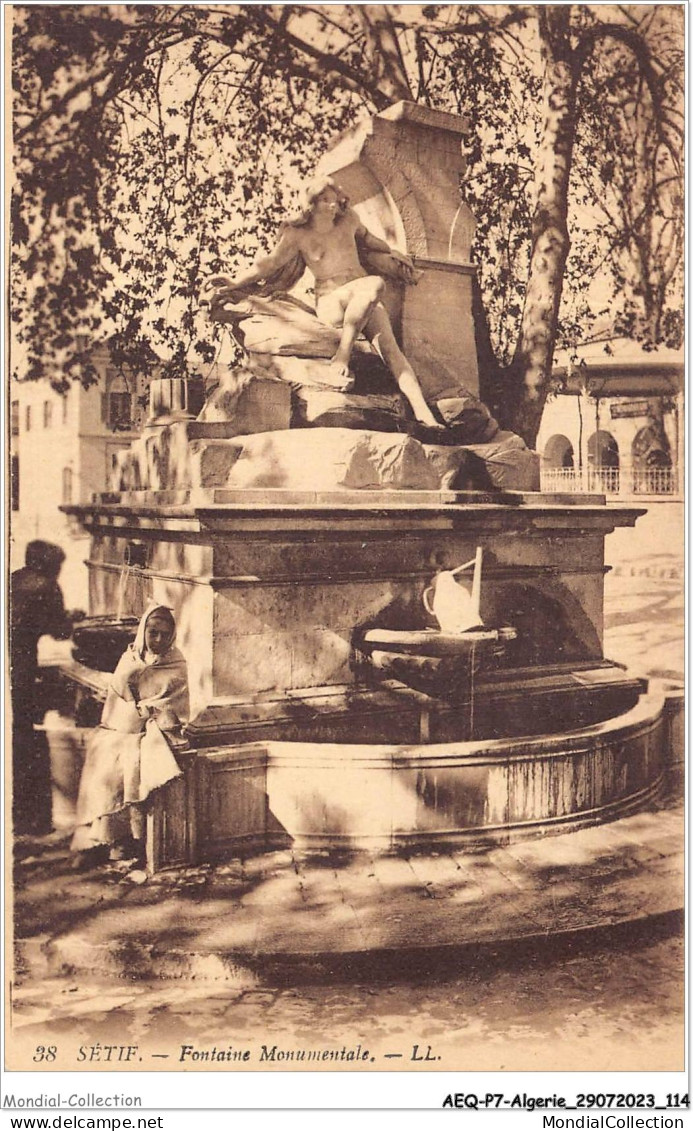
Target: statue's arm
x=263, y=268
x=370, y=242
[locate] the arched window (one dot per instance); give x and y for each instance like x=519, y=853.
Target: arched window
x=558, y=465
x=117, y=403
x=603, y=462
x=652, y=465
x=559, y=452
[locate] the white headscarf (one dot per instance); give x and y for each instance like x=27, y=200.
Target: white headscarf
x=139, y=646
x=158, y=680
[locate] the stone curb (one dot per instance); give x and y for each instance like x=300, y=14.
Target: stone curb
x=73, y=956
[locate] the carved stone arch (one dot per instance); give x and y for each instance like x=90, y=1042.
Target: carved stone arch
x=401, y=170
x=401, y=199
x=650, y=448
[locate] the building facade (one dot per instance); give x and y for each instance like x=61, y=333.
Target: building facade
x=616, y=426
x=62, y=450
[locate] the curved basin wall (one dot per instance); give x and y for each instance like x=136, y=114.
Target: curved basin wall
x=338, y=795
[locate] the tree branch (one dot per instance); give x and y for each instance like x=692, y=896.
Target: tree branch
x=485, y=25
x=193, y=104
x=115, y=70
x=635, y=43
x=325, y=62
x=383, y=52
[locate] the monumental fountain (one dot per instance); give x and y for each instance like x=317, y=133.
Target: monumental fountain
x=310, y=539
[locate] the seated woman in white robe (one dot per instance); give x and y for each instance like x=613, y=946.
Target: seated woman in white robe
x=130, y=753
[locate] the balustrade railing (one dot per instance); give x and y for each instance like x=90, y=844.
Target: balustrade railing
x=604, y=479
x=654, y=481
x=610, y=480
x=560, y=479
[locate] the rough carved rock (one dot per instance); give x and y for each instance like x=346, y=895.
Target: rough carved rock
x=159, y=460
x=323, y=408
x=507, y=464
x=167, y=459
x=468, y=418
x=245, y=403
x=286, y=341
x=188, y=455
x=341, y=458
x=269, y=393
x=211, y=462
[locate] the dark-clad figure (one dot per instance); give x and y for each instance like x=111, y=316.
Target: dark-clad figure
x=36, y=609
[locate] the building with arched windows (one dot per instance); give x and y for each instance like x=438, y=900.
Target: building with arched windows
x=615, y=424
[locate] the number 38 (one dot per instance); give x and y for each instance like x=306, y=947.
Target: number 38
x=45, y=1052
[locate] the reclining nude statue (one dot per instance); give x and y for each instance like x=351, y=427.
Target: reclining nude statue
x=347, y=262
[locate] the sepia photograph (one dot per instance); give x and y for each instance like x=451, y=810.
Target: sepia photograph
x=344, y=519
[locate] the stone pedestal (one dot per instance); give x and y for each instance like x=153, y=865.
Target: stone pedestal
x=272, y=587
x=273, y=593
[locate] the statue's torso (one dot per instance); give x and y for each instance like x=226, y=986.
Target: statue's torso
x=332, y=255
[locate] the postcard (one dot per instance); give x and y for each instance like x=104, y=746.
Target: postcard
x=345, y=547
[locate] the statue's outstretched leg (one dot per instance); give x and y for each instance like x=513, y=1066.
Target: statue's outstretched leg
x=378, y=330
x=349, y=308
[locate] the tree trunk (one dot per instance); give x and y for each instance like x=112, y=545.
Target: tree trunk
x=529, y=374
x=492, y=375
x=384, y=53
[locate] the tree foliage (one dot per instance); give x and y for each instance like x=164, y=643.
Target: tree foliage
x=629, y=172
x=156, y=144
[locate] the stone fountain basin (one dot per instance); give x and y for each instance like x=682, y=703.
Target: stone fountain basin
x=100, y=641
x=434, y=642
x=346, y=796
x=440, y=664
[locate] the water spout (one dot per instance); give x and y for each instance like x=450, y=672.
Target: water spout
x=125, y=571
x=452, y=230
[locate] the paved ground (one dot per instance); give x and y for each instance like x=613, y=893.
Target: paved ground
x=607, y=1002
x=644, y=594
x=206, y=954
x=279, y=915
